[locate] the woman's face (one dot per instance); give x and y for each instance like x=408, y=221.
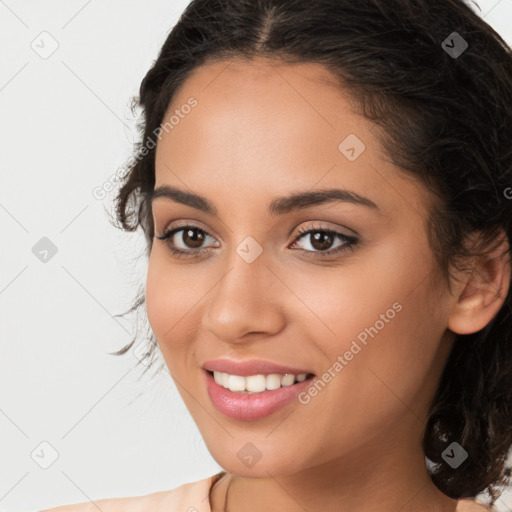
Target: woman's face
x=366, y=314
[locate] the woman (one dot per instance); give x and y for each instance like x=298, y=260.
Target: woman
x=325, y=191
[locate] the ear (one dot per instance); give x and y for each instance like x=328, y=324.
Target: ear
x=484, y=292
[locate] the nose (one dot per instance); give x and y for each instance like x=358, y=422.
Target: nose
x=246, y=301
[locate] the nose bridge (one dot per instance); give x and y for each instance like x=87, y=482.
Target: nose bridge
x=245, y=261
x=244, y=299
x=246, y=279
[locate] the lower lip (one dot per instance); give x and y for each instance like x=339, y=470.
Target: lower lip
x=245, y=406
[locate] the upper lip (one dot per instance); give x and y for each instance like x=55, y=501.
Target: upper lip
x=250, y=367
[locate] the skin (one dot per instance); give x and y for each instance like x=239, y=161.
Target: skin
x=262, y=130
x=356, y=445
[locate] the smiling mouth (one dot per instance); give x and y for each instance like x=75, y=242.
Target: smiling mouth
x=253, y=384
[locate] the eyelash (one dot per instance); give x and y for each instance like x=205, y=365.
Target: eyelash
x=349, y=241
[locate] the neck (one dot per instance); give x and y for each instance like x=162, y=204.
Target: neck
x=362, y=482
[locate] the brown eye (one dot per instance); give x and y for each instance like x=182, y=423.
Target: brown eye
x=190, y=242
x=192, y=238
x=321, y=241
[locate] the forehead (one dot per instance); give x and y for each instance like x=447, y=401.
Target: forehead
x=259, y=127
x=262, y=97
x=256, y=110
x=239, y=75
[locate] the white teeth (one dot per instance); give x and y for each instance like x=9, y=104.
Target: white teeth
x=273, y=381
x=288, y=379
x=256, y=383
x=236, y=383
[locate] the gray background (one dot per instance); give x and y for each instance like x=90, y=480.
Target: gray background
x=66, y=128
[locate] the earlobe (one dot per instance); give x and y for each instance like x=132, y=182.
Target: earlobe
x=484, y=293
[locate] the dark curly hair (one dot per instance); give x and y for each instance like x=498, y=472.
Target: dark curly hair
x=443, y=117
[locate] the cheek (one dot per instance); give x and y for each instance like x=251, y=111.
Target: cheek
x=168, y=300
x=155, y=297
x=381, y=314
x=175, y=295
x=342, y=302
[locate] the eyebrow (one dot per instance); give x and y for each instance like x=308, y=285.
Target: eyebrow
x=278, y=206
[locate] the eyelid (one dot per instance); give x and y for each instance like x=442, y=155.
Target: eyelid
x=325, y=226
x=183, y=223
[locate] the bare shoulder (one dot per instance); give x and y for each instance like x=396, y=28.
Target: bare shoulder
x=153, y=502
x=188, y=496
x=468, y=505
